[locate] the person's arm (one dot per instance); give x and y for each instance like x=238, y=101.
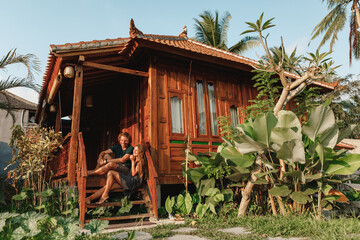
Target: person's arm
x=101, y=156
x=134, y=170
x=120, y=160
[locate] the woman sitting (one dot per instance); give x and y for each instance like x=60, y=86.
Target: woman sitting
x=118, y=179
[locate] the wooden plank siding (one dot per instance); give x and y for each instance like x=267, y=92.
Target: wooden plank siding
x=230, y=88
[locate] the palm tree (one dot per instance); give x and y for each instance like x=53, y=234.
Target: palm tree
x=335, y=21
x=32, y=65
x=213, y=31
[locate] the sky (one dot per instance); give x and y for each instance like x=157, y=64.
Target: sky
x=31, y=26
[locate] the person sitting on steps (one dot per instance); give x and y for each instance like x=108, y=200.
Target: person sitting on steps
x=121, y=162
x=139, y=173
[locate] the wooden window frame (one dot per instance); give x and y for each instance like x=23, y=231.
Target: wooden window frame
x=209, y=133
x=182, y=98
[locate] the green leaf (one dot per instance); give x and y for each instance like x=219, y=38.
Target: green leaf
x=263, y=124
x=125, y=206
x=326, y=188
x=201, y=209
x=310, y=178
x=288, y=119
x=300, y=197
x=292, y=151
x=260, y=181
x=246, y=145
x=212, y=192
x=2, y=224
x=96, y=226
x=235, y=158
x=180, y=201
x=296, y=174
x=204, y=186
x=345, y=165
x=169, y=203
x=282, y=135
x=188, y=203
x=331, y=198
x=47, y=193
x=320, y=120
x=228, y=195
x=280, y=190
x=329, y=137
x=309, y=191
x=20, y=197
x=346, y=132
x=195, y=174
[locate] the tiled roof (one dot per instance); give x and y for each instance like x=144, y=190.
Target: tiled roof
x=88, y=45
x=179, y=42
x=17, y=102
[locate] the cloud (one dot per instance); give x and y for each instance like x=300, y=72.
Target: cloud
x=300, y=44
x=26, y=93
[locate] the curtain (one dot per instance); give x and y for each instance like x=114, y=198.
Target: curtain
x=201, y=107
x=176, y=115
x=213, y=116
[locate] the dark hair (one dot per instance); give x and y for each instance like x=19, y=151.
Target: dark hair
x=125, y=134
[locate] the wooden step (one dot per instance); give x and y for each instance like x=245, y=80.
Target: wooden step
x=144, y=215
x=112, y=190
x=113, y=204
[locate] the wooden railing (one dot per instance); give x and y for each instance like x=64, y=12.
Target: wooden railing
x=152, y=182
x=81, y=178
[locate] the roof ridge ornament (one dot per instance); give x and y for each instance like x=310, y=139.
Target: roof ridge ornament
x=133, y=30
x=184, y=32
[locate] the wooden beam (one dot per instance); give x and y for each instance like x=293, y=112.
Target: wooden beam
x=116, y=69
x=75, y=123
x=153, y=90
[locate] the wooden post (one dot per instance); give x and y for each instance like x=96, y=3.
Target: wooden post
x=58, y=115
x=75, y=123
x=153, y=104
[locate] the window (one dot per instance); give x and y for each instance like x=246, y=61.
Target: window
x=206, y=107
x=176, y=115
x=201, y=107
x=234, y=116
x=213, y=118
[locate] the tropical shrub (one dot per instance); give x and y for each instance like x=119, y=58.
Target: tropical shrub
x=31, y=155
x=255, y=153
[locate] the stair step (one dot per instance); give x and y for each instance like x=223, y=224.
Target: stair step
x=113, y=204
x=112, y=190
x=144, y=215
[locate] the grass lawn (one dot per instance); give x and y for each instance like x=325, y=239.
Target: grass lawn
x=262, y=227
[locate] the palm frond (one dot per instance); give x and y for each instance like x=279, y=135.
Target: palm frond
x=331, y=24
x=30, y=61
x=245, y=44
x=223, y=27
x=13, y=82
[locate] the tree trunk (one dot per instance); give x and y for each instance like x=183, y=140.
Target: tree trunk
x=279, y=105
x=357, y=12
x=246, y=195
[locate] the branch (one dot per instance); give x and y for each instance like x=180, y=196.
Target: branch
x=300, y=80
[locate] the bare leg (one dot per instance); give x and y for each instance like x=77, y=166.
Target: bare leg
x=112, y=178
x=103, y=169
x=106, y=156
x=99, y=192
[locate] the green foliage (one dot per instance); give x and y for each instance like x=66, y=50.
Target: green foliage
x=126, y=206
x=268, y=92
x=306, y=150
x=183, y=205
x=31, y=155
x=96, y=226
x=352, y=195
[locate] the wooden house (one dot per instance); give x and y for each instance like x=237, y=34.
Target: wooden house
x=161, y=89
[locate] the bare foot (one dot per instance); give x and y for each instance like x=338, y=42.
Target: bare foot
x=103, y=200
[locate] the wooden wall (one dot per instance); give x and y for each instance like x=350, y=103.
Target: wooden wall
x=231, y=88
